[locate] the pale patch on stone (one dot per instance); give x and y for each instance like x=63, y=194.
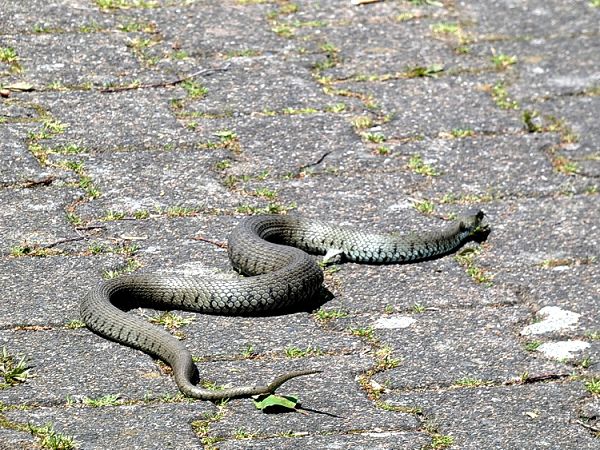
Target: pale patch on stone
x=553, y=319
x=562, y=349
x=198, y=270
x=393, y=322
x=401, y=206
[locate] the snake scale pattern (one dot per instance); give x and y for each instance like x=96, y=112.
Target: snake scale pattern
x=272, y=251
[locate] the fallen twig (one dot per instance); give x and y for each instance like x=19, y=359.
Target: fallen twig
x=63, y=241
x=46, y=181
x=589, y=427
x=203, y=239
x=132, y=86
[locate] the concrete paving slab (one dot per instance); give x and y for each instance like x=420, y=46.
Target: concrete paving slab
x=220, y=30
x=63, y=368
x=543, y=415
x=28, y=287
x=48, y=60
x=17, y=164
x=535, y=18
x=30, y=15
x=485, y=166
x=260, y=84
x=543, y=230
x=463, y=344
x=155, y=181
x=216, y=336
x=401, y=288
x=541, y=73
x=35, y=216
x=119, y=120
x=335, y=408
x=391, y=440
x=272, y=143
x=378, y=198
x=578, y=114
x=134, y=426
x=367, y=52
x=10, y=439
x=460, y=103
x=15, y=111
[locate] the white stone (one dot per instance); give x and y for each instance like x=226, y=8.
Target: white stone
x=553, y=319
x=393, y=322
x=562, y=349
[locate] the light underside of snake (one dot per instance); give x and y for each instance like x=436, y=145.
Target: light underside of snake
x=272, y=251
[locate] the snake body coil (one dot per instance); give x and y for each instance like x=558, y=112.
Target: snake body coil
x=279, y=276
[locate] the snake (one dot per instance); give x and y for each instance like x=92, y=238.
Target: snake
x=273, y=255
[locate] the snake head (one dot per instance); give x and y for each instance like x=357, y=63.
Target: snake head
x=474, y=222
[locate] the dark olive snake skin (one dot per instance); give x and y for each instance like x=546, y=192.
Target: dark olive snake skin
x=271, y=250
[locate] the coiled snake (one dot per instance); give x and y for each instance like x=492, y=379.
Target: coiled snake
x=271, y=250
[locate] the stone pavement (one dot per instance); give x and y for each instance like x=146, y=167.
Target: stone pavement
x=387, y=116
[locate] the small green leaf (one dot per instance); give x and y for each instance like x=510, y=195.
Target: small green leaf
x=272, y=403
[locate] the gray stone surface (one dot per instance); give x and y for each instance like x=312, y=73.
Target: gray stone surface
x=16, y=162
x=259, y=84
x=459, y=103
x=168, y=179
x=337, y=407
x=326, y=110
x=131, y=426
x=48, y=58
x=396, y=440
x=432, y=353
x=119, y=120
x=538, y=416
x=35, y=216
x=31, y=297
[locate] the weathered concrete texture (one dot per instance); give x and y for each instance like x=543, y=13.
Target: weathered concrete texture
x=367, y=51
x=218, y=30
x=10, y=439
x=168, y=179
x=384, y=440
x=428, y=284
x=541, y=72
x=433, y=353
x=19, y=17
x=222, y=336
x=287, y=144
x=14, y=111
x=48, y=59
x=119, y=120
x=16, y=162
x=259, y=84
x=544, y=416
x=579, y=113
x=330, y=111
x=334, y=405
x=34, y=216
x=30, y=296
x=170, y=243
x=532, y=231
x=382, y=197
x=132, y=426
x=494, y=166
x=97, y=369
x=532, y=18
x=459, y=103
